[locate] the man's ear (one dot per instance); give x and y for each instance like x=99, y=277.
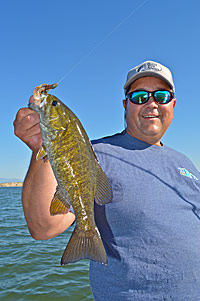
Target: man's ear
x=125, y=104
x=174, y=100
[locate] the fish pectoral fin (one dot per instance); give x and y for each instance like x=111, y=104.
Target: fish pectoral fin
x=59, y=204
x=84, y=245
x=41, y=154
x=103, y=194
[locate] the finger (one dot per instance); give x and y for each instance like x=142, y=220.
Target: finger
x=32, y=137
x=36, y=142
x=28, y=126
x=23, y=112
x=30, y=121
x=34, y=130
x=31, y=99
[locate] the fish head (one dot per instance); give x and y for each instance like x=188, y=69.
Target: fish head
x=54, y=114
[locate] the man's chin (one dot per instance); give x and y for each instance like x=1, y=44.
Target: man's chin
x=151, y=131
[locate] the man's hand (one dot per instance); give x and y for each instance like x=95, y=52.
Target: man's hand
x=27, y=127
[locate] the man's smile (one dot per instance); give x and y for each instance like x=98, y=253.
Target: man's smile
x=150, y=116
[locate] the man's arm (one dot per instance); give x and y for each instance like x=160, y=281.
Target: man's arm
x=39, y=184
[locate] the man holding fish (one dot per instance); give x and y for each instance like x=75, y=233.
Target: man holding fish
x=151, y=228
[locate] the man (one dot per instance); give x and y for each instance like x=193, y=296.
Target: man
x=151, y=230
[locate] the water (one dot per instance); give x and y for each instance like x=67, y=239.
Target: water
x=29, y=269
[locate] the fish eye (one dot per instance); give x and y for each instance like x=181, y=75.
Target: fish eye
x=54, y=103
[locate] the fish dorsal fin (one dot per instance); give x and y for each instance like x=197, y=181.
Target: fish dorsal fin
x=103, y=194
x=59, y=204
x=41, y=154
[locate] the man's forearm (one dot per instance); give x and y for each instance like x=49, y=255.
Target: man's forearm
x=38, y=190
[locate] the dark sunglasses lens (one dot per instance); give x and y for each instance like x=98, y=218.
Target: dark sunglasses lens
x=139, y=97
x=162, y=96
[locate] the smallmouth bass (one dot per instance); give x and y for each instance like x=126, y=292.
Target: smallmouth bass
x=79, y=176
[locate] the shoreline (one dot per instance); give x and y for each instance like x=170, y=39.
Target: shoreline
x=11, y=184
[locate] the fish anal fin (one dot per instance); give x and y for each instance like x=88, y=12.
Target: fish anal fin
x=59, y=204
x=84, y=245
x=41, y=154
x=103, y=194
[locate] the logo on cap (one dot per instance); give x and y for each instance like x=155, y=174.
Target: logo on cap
x=149, y=67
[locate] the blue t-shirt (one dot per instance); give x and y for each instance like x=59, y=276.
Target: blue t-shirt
x=151, y=230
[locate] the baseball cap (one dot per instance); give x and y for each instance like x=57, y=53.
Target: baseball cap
x=149, y=68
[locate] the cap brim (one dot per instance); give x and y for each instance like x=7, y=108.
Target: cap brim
x=145, y=74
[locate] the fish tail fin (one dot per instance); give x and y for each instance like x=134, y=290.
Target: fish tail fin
x=84, y=244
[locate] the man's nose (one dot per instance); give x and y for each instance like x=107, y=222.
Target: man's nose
x=151, y=102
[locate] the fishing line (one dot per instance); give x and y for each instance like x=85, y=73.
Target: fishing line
x=102, y=41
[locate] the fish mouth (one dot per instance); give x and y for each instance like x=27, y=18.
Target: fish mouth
x=40, y=96
x=37, y=104
x=33, y=106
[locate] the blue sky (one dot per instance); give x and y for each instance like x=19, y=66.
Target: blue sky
x=43, y=40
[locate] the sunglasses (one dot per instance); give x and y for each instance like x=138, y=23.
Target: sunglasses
x=141, y=97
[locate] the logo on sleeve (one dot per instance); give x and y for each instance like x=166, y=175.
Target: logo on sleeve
x=186, y=173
